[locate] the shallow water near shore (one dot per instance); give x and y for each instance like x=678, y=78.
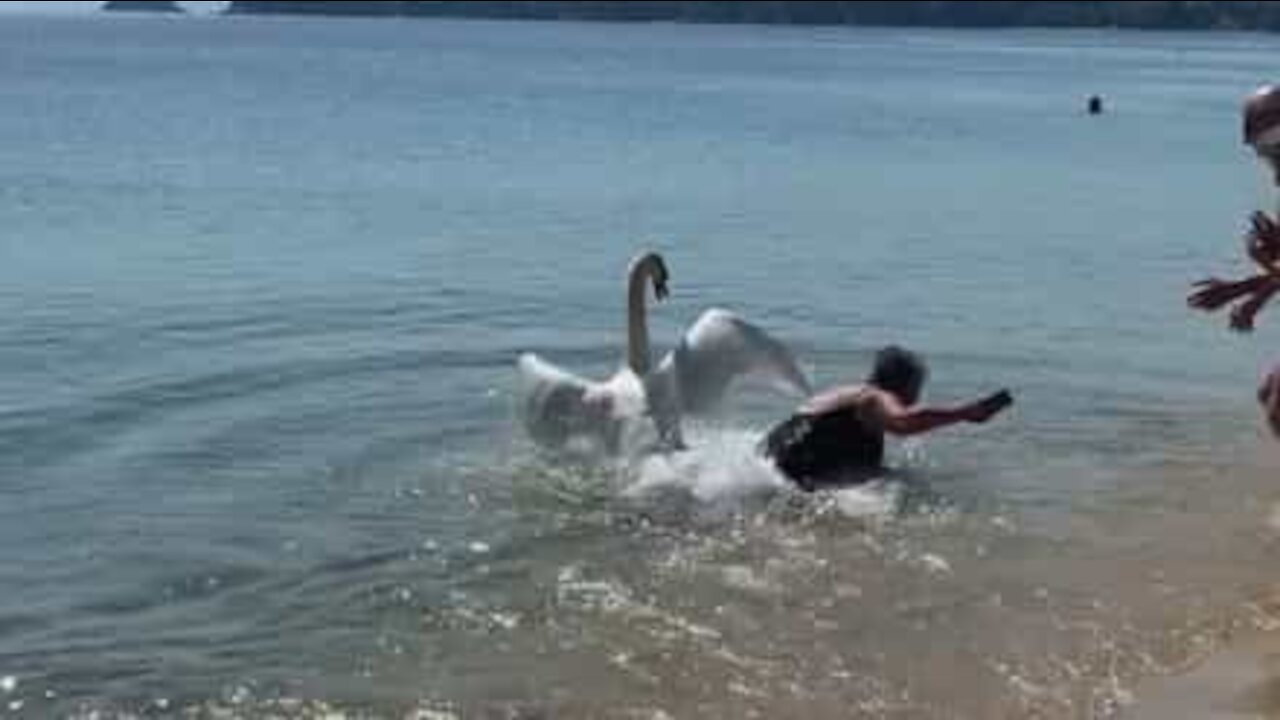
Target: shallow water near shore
x=264, y=281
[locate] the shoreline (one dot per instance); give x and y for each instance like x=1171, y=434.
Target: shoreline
x=1239, y=680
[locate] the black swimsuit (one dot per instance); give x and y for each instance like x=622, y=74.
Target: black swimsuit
x=814, y=449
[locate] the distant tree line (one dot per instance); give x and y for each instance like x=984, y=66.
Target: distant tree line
x=956, y=13
x=155, y=6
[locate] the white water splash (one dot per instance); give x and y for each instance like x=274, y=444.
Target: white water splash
x=723, y=470
x=722, y=467
x=875, y=499
x=935, y=564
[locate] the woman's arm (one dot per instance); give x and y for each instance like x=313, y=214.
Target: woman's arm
x=897, y=419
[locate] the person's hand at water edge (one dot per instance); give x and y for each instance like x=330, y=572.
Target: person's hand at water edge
x=1262, y=244
x=1242, y=315
x=1213, y=293
x=988, y=407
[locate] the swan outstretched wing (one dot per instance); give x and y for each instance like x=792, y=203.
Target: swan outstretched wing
x=717, y=350
x=559, y=408
x=553, y=402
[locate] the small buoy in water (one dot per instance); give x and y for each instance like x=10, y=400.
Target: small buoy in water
x=1095, y=105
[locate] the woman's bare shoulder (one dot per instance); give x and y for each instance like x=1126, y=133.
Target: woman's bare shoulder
x=837, y=397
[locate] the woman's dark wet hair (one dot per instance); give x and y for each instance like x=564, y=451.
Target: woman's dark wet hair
x=900, y=372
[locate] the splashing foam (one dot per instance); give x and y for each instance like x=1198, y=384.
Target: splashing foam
x=721, y=473
x=722, y=467
x=723, y=470
x=874, y=499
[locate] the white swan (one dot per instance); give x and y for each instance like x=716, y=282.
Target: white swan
x=559, y=408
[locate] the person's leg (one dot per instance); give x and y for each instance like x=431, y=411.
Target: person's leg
x=1269, y=398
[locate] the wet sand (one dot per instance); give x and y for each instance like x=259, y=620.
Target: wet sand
x=1242, y=681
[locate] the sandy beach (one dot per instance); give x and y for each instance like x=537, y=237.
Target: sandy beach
x=1242, y=681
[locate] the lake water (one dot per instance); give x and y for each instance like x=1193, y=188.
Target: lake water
x=263, y=282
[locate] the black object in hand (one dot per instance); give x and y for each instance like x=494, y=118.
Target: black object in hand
x=999, y=401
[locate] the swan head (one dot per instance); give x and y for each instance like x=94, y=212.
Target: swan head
x=652, y=266
x=660, y=278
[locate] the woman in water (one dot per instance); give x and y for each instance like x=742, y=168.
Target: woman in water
x=837, y=436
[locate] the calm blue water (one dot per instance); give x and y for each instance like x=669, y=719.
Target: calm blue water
x=263, y=281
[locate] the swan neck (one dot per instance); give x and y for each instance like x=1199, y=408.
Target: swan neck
x=637, y=322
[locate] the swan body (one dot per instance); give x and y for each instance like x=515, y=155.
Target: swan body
x=561, y=410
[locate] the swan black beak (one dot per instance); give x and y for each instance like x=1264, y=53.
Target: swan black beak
x=660, y=280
